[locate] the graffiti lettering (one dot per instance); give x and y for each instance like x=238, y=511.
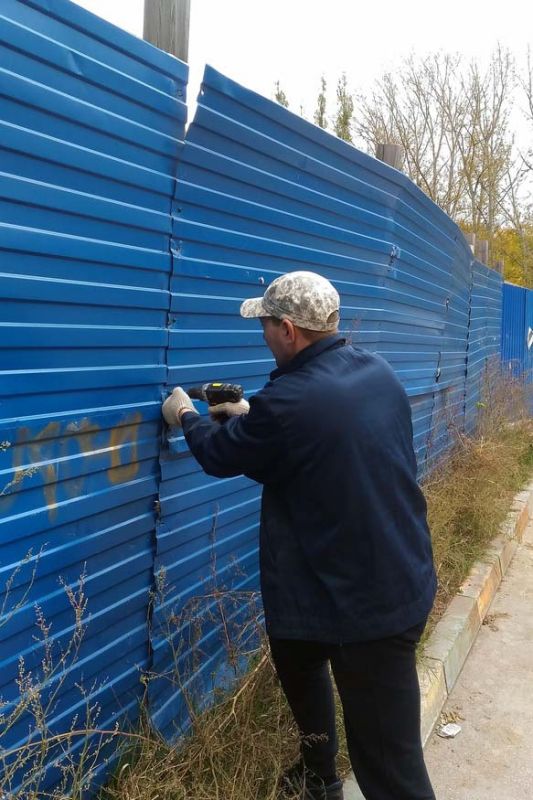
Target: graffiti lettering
x=38, y=453
x=85, y=432
x=129, y=433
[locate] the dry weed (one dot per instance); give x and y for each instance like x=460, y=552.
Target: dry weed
x=235, y=751
x=469, y=494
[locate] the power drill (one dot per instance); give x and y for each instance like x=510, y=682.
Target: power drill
x=215, y=393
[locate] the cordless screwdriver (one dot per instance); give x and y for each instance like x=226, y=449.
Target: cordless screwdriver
x=215, y=393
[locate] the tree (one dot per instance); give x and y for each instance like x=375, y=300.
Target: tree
x=421, y=108
x=345, y=107
x=515, y=248
x=526, y=84
x=487, y=144
x=320, y=113
x=280, y=96
x=452, y=122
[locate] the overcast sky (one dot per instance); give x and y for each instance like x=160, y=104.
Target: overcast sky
x=296, y=41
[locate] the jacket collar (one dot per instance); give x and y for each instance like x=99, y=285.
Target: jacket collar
x=305, y=355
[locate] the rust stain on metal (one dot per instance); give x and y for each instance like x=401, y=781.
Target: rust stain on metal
x=120, y=436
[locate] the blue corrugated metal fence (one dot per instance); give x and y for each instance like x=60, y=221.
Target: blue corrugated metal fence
x=260, y=192
x=91, y=124
x=517, y=336
x=517, y=331
x=125, y=253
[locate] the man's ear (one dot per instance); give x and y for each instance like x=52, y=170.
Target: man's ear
x=289, y=330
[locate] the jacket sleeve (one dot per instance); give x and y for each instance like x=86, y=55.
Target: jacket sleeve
x=250, y=444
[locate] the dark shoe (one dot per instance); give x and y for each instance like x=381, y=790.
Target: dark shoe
x=302, y=784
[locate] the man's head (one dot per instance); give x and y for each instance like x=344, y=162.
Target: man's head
x=297, y=309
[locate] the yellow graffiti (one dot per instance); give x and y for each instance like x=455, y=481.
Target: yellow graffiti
x=120, y=436
x=37, y=451
x=33, y=453
x=84, y=432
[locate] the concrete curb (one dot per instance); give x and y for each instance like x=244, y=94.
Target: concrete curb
x=449, y=644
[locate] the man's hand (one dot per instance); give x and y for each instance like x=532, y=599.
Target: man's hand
x=223, y=410
x=175, y=405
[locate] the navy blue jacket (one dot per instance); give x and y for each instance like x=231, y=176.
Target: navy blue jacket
x=345, y=551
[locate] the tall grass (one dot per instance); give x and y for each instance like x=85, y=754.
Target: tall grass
x=469, y=494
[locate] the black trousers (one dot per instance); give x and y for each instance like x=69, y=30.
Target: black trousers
x=378, y=687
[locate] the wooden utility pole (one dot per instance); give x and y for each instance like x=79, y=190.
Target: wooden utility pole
x=471, y=239
x=482, y=251
x=392, y=154
x=166, y=24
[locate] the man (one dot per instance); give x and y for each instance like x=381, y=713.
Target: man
x=347, y=574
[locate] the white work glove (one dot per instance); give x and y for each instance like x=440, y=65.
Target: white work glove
x=229, y=409
x=178, y=401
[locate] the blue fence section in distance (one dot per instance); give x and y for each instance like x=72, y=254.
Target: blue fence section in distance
x=125, y=252
x=517, y=331
x=528, y=331
x=517, y=336
x=91, y=125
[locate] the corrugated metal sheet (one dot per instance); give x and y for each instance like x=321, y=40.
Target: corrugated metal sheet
x=514, y=331
x=484, y=340
x=117, y=285
x=91, y=125
x=528, y=339
x=517, y=335
x=261, y=192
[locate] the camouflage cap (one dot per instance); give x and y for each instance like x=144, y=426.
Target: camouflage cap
x=306, y=299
